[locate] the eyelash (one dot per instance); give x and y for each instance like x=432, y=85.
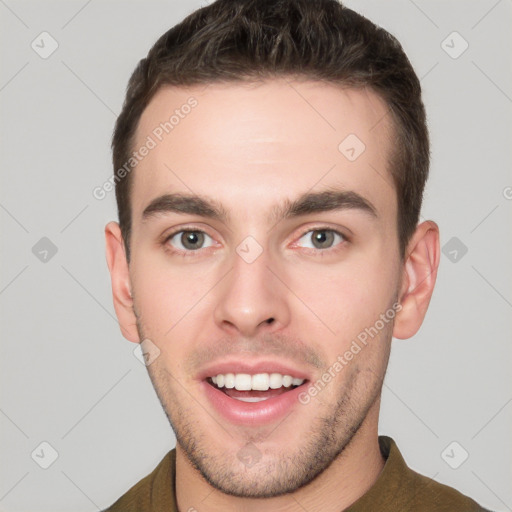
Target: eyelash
x=191, y=253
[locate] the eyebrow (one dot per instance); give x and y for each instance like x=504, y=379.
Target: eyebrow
x=306, y=204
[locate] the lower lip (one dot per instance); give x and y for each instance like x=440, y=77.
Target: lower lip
x=252, y=413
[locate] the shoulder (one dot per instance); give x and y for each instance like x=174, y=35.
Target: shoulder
x=400, y=489
x=156, y=487
x=426, y=494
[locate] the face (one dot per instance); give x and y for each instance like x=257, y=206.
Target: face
x=264, y=250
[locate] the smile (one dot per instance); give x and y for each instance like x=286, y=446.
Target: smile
x=253, y=398
x=256, y=382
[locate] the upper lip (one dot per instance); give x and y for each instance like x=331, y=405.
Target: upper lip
x=252, y=368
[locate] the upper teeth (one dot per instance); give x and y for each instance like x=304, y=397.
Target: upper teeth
x=258, y=382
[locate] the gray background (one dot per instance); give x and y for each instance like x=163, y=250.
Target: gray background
x=68, y=377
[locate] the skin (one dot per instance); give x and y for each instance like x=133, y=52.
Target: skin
x=250, y=147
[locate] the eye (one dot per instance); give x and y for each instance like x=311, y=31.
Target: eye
x=188, y=240
x=322, y=238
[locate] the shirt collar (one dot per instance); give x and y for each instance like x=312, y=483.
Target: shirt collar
x=390, y=492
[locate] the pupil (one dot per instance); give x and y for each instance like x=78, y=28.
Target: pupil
x=323, y=238
x=191, y=239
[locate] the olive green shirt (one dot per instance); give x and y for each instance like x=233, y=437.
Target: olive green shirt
x=397, y=489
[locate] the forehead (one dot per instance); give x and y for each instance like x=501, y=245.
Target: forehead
x=256, y=144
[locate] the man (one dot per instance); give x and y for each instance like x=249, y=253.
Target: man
x=269, y=162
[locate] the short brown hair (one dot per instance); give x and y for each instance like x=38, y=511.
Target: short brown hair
x=247, y=40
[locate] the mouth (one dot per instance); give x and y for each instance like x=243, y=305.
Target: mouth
x=254, y=388
x=253, y=398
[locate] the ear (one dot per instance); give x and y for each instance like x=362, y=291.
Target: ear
x=120, y=277
x=418, y=279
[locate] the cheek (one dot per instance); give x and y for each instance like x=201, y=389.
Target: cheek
x=175, y=302
x=164, y=294
x=346, y=297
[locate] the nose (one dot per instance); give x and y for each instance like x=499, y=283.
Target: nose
x=251, y=300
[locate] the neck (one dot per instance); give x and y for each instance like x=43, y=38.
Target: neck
x=350, y=476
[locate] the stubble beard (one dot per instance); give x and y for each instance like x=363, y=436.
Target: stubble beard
x=277, y=473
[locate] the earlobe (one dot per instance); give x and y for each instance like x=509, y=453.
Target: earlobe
x=419, y=278
x=120, y=278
